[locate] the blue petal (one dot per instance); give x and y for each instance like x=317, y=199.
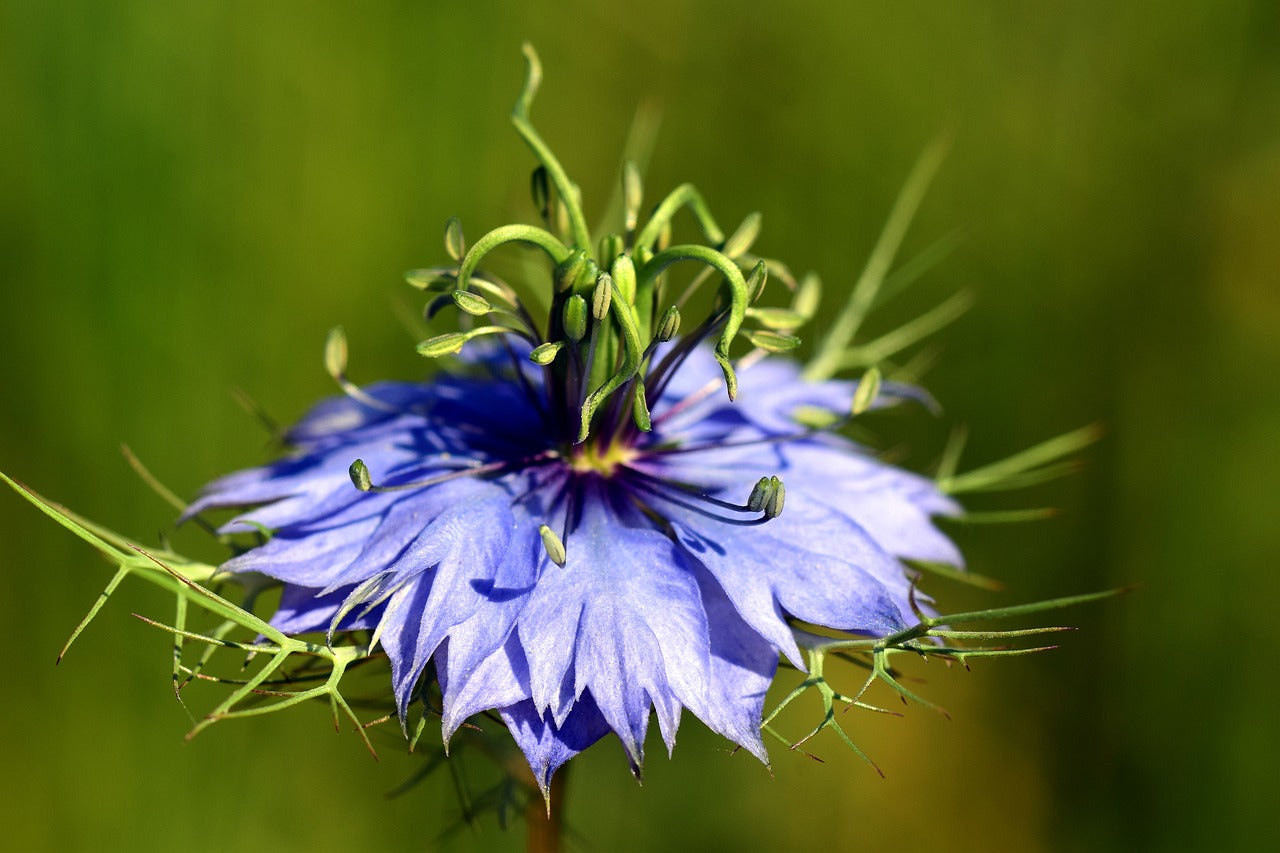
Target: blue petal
x=621, y=618
x=810, y=563
x=303, y=610
x=742, y=666
x=548, y=745
x=441, y=577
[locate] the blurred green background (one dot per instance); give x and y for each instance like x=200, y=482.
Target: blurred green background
x=191, y=194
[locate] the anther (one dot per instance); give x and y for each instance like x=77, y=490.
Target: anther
x=574, y=318
x=568, y=272
x=865, y=394
x=768, y=497
x=360, y=476
x=450, y=343
x=742, y=239
x=623, y=270
x=756, y=281
x=553, y=546
x=544, y=354
x=335, y=363
x=611, y=246
x=778, y=494
x=669, y=325
x=472, y=303
x=335, y=353
x=602, y=297
x=540, y=189
x=772, y=341
x=454, y=243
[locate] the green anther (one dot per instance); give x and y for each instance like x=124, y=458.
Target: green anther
x=540, y=189
x=450, y=343
x=741, y=240
x=574, y=318
x=772, y=341
x=808, y=296
x=632, y=195
x=553, y=546
x=759, y=494
x=777, y=495
x=433, y=279
x=335, y=352
x=669, y=325
x=587, y=276
x=454, y=243
x=602, y=297
x=814, y=417
x=544, y=240
x=866, y=392
x=567, y=273
x=472, y=303
x=360, y=475
x=623, y=272
x=546, y=353
x=777, y=319
x=756, y=281
x=611, y=246
x=447, y=344
x=640, y=410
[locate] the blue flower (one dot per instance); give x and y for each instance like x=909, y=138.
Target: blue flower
x=575, y=527
x=669, y=592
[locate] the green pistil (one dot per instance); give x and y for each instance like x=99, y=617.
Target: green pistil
x=607, y=312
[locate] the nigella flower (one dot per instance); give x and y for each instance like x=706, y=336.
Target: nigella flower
x=595, y=519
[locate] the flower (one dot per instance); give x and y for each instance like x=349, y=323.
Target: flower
x=658, y=590
x=574, y=526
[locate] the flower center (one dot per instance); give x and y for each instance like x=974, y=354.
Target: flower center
x=593, y=457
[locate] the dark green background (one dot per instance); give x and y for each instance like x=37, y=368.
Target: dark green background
x=191, y=194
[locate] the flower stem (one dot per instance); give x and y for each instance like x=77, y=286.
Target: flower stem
x=545, y=821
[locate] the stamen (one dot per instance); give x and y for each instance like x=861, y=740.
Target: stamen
x=866, y=392
x=668, y=326
x=472, y=303
x=335, y=363
x=632, y=197
x=766, y=497
x=454, y=243
x=359, y=472
x=543, y=354
x=451, y=343
x=553, y=545
x=574, y=318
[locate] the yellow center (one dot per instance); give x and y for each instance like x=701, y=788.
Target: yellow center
x=603, y=460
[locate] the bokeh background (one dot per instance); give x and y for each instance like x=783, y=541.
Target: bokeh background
x=191, y=194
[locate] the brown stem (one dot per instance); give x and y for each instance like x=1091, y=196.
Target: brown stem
x=545, y=821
